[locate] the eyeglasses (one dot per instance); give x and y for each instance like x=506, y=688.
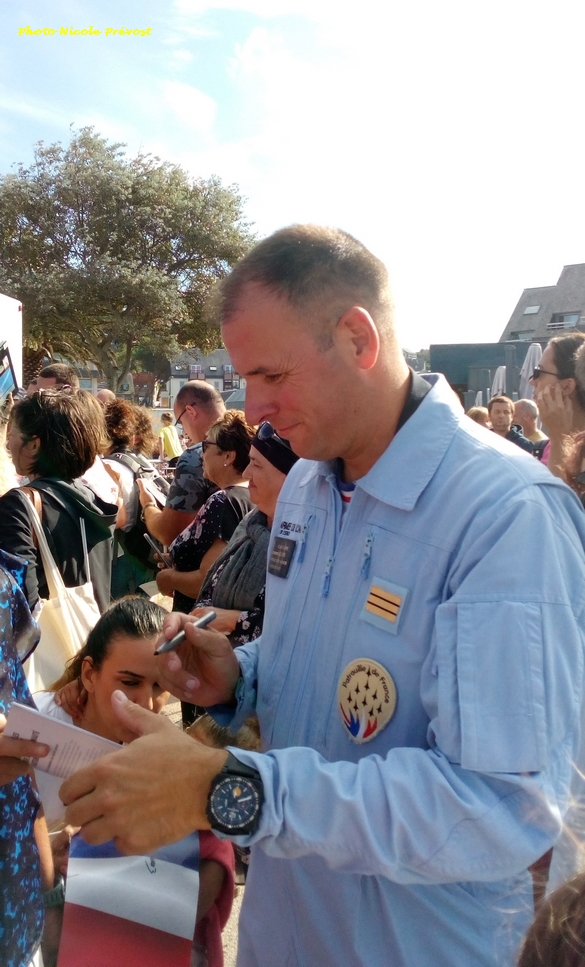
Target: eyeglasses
x=579, y=478
x=178, y=420
x=538, y=372
x=208, y=443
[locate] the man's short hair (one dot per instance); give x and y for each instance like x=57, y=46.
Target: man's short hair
x=63, y=374
x=321, y=272
x=500, y=399
x=526, y=406
x=198, y=393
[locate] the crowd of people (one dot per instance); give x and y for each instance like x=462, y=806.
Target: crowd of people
x=383, y=718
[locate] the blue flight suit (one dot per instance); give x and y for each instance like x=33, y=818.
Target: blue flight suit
x=411, y=849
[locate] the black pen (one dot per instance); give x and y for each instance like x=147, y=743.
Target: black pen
x=173, y=643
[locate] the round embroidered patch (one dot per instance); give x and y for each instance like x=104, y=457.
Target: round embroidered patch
x=367, y=698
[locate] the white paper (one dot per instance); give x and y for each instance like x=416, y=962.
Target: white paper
x=140, y=888
x=71, y=748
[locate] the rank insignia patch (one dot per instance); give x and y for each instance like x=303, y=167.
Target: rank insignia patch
x=384, y=605
x=367, y=699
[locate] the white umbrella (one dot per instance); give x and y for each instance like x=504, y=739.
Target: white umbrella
x=499, y=382
x=533, y=357
x=479, y=398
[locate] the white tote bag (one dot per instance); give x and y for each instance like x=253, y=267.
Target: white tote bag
x=65, y=618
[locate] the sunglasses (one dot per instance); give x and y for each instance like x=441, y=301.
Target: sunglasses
x=208, y=443
x=267, y=432
x=538, y=372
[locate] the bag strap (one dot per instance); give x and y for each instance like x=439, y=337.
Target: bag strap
x=35, y=497
x=55, y=582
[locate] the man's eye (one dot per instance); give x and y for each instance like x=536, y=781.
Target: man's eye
x=131, y=683
x=273, y=377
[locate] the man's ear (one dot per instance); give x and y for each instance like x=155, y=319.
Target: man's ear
x=88, y=674
x=359, y=331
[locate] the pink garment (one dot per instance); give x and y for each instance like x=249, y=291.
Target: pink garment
x=545, y=453
x=208, y=930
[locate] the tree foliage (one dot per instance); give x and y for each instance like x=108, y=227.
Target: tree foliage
x=106, y=251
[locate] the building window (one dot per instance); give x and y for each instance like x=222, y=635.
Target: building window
x=531, y=310
x=563, y=320
x=196, y=371
x=524, y=336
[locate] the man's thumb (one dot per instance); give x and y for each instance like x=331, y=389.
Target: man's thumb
x=139, y=720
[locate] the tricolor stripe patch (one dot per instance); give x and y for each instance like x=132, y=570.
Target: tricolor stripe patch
x=383, y=603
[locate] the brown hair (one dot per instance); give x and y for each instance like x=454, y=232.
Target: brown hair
x=321, y=272
x=565, y=349
x=557, y=935
x=63, y=375
x=199, y=393
x=500, y=399
x=145, y=441
x=574, y=460
x=120, y=423
x=68, y=428
x=231, y=432
x=478, y=414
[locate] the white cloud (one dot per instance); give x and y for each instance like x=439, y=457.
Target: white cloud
x=182, y=56
x=194, y=109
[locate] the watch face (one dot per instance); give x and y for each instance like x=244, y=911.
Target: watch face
x=235, y=802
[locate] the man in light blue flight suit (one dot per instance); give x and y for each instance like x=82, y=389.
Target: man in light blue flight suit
x=419, y=678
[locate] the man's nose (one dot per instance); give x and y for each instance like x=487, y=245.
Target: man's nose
x=259, y=407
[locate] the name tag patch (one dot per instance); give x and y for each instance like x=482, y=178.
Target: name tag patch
x=367, y=699
x=281, y=556
x=384, y=605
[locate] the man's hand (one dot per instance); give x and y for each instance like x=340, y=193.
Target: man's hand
x=149, y=794
x=12, y=755
x=203, y=670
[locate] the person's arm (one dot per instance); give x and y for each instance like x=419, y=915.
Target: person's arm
x=17, y=538
x=188, y=493
x=225, y=621
x=189, y=582
x=211, y=879
x=164, y=523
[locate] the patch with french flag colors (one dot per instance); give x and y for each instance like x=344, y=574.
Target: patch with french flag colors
x=138, y=911
x=367, y=699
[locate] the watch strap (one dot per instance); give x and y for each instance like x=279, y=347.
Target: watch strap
x=233, y=766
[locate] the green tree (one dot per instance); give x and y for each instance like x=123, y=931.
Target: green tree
x=108, y=253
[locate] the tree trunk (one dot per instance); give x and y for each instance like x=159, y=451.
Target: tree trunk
x=32, y=363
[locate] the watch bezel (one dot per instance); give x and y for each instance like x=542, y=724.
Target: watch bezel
x=237, y=771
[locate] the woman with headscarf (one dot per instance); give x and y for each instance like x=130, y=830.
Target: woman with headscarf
x=234, y=586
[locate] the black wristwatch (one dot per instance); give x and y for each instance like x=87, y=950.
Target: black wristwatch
x=56, y=896
x=235, y=798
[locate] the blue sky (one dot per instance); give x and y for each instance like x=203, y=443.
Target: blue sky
x=446, y=136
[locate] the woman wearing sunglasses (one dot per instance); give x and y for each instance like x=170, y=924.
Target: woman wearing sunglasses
x=559, y=397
